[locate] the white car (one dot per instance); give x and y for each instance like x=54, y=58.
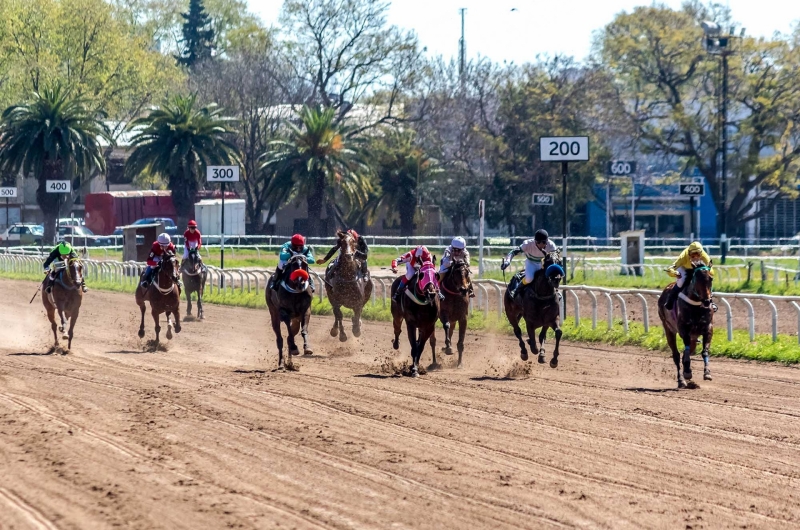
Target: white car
x=22, y=235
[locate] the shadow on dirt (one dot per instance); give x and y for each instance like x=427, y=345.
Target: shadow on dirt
x=650, y=390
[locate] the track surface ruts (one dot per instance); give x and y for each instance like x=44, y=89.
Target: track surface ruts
x=205, y=435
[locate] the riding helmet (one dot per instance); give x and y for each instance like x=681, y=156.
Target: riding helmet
x=192, y=224
x=458, y=242
x=695, y=247
x=353, y=233
x=541, y=236
x=64, y=248
x=164, y=239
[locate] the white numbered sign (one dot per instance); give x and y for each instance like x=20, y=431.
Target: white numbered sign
x=619, y=168
x=692, y=189
x=564, y=148
x=58, y=186
x=222, y=173
x=542, y=199
x=8, y=193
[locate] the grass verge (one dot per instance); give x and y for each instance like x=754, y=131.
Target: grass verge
x=786, y=349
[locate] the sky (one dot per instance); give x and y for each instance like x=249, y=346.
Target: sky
x=537, y=27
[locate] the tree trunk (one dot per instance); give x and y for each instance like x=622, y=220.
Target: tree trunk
x=184, y=195
x=315, y=203
x=407, y=211
x=49, y=203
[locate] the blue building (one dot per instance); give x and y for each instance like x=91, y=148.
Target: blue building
x=659, y=210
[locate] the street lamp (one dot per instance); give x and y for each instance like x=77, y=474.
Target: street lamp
x=718, y=43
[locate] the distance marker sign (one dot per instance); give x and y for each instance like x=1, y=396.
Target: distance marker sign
x=564, y=148
x=542, y=199
x=8, y=193
x=222, y=173
x=58, y=186
x=692, y=189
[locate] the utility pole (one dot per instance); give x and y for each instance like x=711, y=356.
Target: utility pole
x=462, y=50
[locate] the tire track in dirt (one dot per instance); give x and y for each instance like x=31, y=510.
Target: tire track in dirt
x=32, y=516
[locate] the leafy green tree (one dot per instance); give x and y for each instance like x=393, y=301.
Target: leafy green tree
x=322, y=162
x=402, y=168
x=177, y=141
x=54, y=136
x=198, y=35
x=669, y=85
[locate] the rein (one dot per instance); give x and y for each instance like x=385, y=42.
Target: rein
x=157, y=284
x=448, y=275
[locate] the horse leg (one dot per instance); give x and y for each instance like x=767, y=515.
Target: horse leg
x=532, y=341
x=189, y=302
x=513, y=319
x=357, y=320
x=425, y=334
x=448, y=333
x=155, y=319
x=689, y=348
x=338, y=326
x=72, y=319
x=462, y=331
x=141, y=326
x=706, y=347
x=200, y=303
x=672, y=341
x=542, y=337
x=434, y=364
x=51, y=315
x=61, y=327
x=554, y=360
x=287, y=320
x=177, y=314
x=412, y=340
x=276, y=328
x=304, y=332
x=169, y=326
x=397, y=323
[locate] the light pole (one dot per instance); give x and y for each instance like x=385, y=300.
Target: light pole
x=719, y=44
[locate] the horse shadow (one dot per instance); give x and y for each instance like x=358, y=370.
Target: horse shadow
x=650, y=390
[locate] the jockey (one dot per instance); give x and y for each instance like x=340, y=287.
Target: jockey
x=456, y=251
x=161, y=246
x=62, y=252
x=361, y=252
x=297, y=245
x=692, y=254
x=191, y=239
x=413, y=259
x=535, y=250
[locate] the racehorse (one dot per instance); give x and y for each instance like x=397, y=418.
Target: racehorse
x=539, y=305
x=692, y=316
x=290, y=303
x=454, y=308
x=65, y=297
x=164, y=295
x=346, y=287
x=194, y=275
x=419, y=307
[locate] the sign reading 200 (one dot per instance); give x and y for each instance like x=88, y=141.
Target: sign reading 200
x=564, y=148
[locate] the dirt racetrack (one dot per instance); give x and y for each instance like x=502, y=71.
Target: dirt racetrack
x=205, y=435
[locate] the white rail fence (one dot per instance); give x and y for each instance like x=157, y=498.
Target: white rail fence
x=489, y=293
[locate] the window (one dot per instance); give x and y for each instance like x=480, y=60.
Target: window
x=14, y=230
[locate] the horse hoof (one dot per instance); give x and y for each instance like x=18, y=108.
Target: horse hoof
x=141, y=333
x=308, y=351
x=681, y=384
x=707, y=375
x=177, y=328
x=523, y=355
x=460, y=366
x=169, y=334
x=280, y=368
x=342, y=337
x=541, y=359
x=64, y=336
x=294, y=352
x=334, y=331
x=553, y=363
x=414, y=373
x=687, y=375
x=448, y=350
x=396, y=344
x=356, y=332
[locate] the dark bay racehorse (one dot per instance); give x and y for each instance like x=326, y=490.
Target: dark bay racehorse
x=454, y=308
x=419, y=307
x=691, y=317
x=164, y=295
x=538, y=303
x=65, y=298
x=194, y=275
x=290, y=303
x=346, y=286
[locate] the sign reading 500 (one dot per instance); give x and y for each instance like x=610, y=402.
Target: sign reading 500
x=564, y=148
x=222, y=173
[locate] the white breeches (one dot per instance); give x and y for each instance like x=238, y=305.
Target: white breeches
x=682, y=278
x=191, y=244
x=445, y=264
x=410, y=271
x=530, y=269
x=281, y=263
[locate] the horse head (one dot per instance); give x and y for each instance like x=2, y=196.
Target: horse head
x=71, y=272
x=458, y=277
x=554, y=274
x=700, y=287
x=296, y=272
x=347, y=244
x=169, y=266
x=427, y=284
x=192, y=264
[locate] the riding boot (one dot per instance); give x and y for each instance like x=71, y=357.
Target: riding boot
x=364, y=269
x=311, y=284
x=50, y=281
x=673, y=295
x=398, y=292
x=471, y=290
x=276, y=279
x=83, y=286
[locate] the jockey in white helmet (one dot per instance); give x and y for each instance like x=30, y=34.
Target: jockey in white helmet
x=457, y=250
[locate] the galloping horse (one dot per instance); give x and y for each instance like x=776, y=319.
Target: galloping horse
x=164, y=295
x=346, y=287
x=290, y=303
x=419, y=307
x=65, y=297
x=538, y=304
x=691, y=317
x=194, y=275
x=455, y=306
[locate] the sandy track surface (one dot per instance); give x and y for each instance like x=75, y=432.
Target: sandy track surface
x=205, y=435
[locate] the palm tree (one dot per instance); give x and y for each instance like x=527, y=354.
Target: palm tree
x=54, y=136
x=176, y=142
x=401, y=167
x=322, y=162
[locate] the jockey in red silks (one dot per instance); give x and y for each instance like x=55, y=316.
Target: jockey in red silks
x=191, y=239
x=413, y=260
x=161, y=246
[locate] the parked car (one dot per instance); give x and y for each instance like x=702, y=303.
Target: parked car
x=71, y=221
x=22, y=235
x=169, y=225
x=81, y=236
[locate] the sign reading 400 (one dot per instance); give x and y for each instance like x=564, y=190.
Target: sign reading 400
x=58, y=186
x=564, y=148
x=222, y=173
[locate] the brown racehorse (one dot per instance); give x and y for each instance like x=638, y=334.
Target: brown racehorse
x=194, y=276
x=538, y=303
x=290, y=303
x=419, y=307
x=346, y=287
x=164, y=295
x=454, y=308
x=65, y=297
x=691, y=317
